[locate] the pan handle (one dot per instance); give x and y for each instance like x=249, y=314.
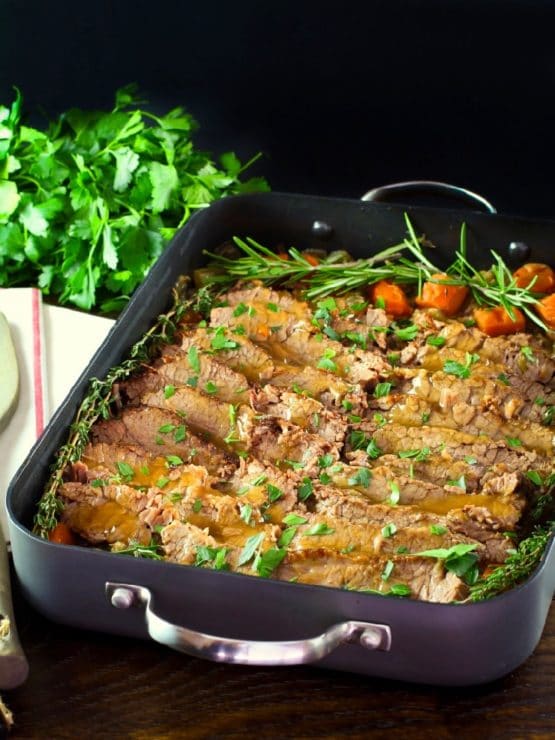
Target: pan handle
x=428, y=186
x=246, y=652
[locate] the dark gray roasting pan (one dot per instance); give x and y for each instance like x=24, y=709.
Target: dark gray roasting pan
x=242, y=619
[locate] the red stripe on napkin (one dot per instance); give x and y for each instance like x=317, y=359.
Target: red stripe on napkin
x=37, y=364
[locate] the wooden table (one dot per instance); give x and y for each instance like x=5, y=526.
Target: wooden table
x=88, y=685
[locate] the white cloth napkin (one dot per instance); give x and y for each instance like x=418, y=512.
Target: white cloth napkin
x=53, y=346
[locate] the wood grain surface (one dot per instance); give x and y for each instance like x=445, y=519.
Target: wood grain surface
x=89, y=685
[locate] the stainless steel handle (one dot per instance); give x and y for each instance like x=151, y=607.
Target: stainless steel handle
x=443, y=188
x=246, y=652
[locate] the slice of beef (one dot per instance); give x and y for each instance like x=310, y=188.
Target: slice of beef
x=270, y=439
x=307, y=413
x=205, y=413
x=519, y=356
x=425, y=577
x=161, y=433
x=368, y=538
x=277, y=441
x=259, y=293
x=112, y=513
x=393, y=438
x=336, y=504
x=379, y=483
x=355, y=365
x=485, y=394
x=181, y=542
x=176, y=369
x=439, y=467
x=256, y=482
x=413, y=411
x=334, y=393
x=243, y=356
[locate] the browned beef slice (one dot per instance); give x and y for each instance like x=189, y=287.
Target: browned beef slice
x=426, y=577
x=333, y=392
x=142, y=425
x=307, y=413
x=244, y=357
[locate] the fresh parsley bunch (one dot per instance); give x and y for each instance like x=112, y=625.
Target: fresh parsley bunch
x=88, y=205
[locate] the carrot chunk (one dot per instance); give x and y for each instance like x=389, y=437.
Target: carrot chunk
x=496, y=321
x=311, y=259
x=392, y=298
x=545, y=277
x=447, y=298
x=546, y=309
x=62, y=534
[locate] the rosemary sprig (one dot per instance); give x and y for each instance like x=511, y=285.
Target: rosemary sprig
x=96, y=405
x=517, y=567
x=404, y=263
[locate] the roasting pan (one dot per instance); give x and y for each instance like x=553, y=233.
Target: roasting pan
x=235, y=618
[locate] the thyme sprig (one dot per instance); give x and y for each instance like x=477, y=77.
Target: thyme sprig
x=403, y=263
x=97, y=403
x=517, y=567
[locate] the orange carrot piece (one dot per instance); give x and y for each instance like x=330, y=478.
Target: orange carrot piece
x=447, y=298
x=311, y=259
x=545, y=277
x=546, y=310
x=283, y=255
x=496, y=321
x=62, y=534
x=392, y=296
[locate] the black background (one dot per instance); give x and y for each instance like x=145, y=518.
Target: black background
x=338, y=97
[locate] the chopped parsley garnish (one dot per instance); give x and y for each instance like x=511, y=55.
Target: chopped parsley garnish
x=395, y=495
x=220, y=342
x=210, y=388
x=362, y=477
x=162, y=482
x=436, y=341
x=250, y=548
x=372, y=449
x=407, y=333
x=305, y=490
x=513, y=441
x=294, y=519
x=382, y=389
x=388, y=570
x=324, y=478
x=451, y=367
x=438, y=529
x=420, y=455
x=274, y=493
x=286, y=536
x=535, y=477
x=193, y=381
x=389, y=530
x=318, y=530
x=267, y=562
x=166, y=428
x=169, y=391
x=193, y=358
x=528, y=354
x=239, y=310
x=294, y=464
x=459, y=483
x=272, y=307
x=459, y=559
x=180, y=433
x=547, y=415
x=347, y=405
x=125, y=471
x=326, y=362
x=400, y=589
x=470, y=460
x=174, y=460
x=245, y=512
x=425, y=416
x=197, y=505
x=502, y=378
x=326, y=460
